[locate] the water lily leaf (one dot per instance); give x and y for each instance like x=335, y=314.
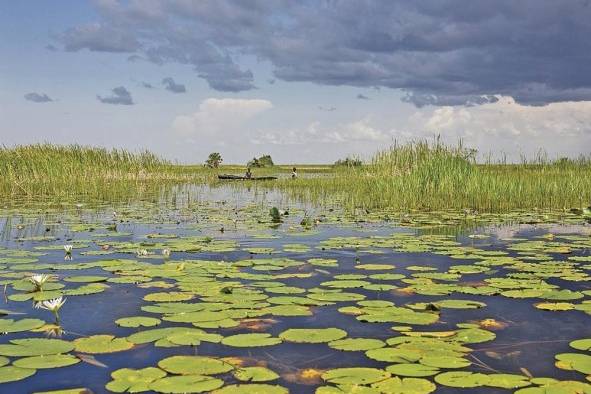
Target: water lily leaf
x=444, y=361
x=396, y=385
x=462, y=379
x=356, y=344
x=168, y=297
x=251, y=389
x=460, y=304
x=137, y=321
x=581, y=344
x=35, y=347
x=508, y=381
x=128, y=380
x=312, y=335
x=10, y=325
x=574, y=362
x=194, y=365
x=394, y=355
x=177, y=335
x=12, y=374
x=559, y=387
x=48, y=361
x=355, y=375
x=251, y=340
x=255, y=374
x=86, y=279
x=98, y=344
x=412, y=369
x=186, y=384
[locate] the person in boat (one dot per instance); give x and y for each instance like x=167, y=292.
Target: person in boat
x=294, y=173
x=248, y=174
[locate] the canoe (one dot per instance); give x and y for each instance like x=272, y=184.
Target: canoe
x=243, y=178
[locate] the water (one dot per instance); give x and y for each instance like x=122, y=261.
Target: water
x=526, y=345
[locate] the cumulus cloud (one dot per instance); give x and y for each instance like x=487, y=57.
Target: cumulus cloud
x=225, y=116
x=442, y=52
x=361, y=130
x=120, y=96
x=100, y=38
x=171, y=85
x=38, y=97
x=362, y=97
x=147, y=85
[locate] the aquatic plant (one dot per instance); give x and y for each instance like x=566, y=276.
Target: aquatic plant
x=53, y=305
x=38, y=280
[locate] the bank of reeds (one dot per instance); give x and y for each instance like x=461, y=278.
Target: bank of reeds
x=433, y=176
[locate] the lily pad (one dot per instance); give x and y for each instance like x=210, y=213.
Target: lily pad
x=186, y=384
x=194, y=365
x=98, y=344
x=251, y=340
x=312, y=335
x=48, y=361
x=128, y=380
x=255, y=374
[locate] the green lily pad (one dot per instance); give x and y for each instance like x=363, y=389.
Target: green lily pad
x=194, y=365
x=137, y=321
x=255, y=374
x=48, y=361
x=574, y=362
x=186, y=384
x=396, y=385
x=86, y=279
x=412, y=369
x=35, y=347
x=251, y=389
x=355, y=375
x=251, y=340
x=462, y=379
x=508, y=381
x=356, y=344
x=98, y=344
x=13, y=374
x=581, y=344
x=312, y=335
x=10, y=325
x=128, y=380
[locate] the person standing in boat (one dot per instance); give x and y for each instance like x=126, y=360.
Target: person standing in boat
x=294, y=173
x=248, y=174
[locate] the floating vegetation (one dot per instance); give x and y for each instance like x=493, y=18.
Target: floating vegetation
x=414, y=304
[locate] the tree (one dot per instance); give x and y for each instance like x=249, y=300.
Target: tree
x=214, y=160
x=263, y=161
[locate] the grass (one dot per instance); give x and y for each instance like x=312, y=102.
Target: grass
x=434, y=176
x=421, y=175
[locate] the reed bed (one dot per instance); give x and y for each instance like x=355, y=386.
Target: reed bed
x=420, y=175
x=433, y=176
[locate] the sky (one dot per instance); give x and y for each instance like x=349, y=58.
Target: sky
x=304, y=81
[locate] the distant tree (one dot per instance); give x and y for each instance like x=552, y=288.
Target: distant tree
x=348, y=162
x=214, y=160
x=263, y=161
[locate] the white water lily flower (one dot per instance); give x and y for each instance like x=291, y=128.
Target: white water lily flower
x=53, y=305
x=38, y=280
x=141, y=252
x=68, y=248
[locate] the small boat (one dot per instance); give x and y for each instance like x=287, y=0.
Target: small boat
x=229, y=177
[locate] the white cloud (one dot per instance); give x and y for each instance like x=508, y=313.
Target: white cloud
x=220, y=116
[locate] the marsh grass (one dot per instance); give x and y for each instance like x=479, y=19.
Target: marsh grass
x=432, y=176
x=420, y=175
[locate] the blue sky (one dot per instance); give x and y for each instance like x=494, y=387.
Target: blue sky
x=310, y=81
